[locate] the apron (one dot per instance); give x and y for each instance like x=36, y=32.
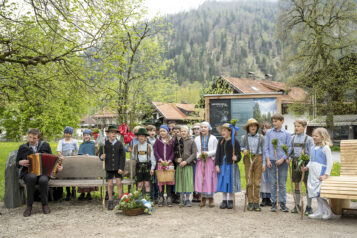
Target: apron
x=317, y=168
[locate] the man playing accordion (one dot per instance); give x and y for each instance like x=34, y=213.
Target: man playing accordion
x=34, y=145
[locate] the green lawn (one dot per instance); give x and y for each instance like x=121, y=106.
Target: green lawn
x=7, y=147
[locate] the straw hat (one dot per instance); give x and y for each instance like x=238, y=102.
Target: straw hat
x=250, y=122
x=225, y=125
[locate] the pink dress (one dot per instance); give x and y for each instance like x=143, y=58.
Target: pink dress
x=210, y=177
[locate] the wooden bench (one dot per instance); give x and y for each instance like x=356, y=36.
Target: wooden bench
x=86, y=171
x=341, y=189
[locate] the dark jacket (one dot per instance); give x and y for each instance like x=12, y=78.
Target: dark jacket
x=114, y=156
x=225, y=148
x=25, y=150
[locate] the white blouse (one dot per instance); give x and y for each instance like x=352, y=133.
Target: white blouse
x=212, y=146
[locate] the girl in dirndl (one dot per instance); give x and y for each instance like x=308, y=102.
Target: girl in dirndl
x=164, y=152
x=206, y=174
x=319, y=167
x=224, y=165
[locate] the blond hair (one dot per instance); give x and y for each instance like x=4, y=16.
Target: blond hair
x=326, y=140
x=301, y=122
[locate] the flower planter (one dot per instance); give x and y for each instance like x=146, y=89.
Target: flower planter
x=134, y=212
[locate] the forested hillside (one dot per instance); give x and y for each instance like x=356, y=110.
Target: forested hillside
x=229, y=38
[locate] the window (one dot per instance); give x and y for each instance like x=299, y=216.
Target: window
x=341, y=132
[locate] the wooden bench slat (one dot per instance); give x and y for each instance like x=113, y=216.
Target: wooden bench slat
x=341, y=188
x=338, y=196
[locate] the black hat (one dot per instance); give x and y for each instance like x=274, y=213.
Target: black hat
x=142, y=131
x=112, y=128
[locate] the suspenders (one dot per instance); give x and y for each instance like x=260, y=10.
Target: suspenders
x=302, y=145
x=259, y=143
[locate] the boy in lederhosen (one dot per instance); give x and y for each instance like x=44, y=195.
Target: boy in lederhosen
x=300, y=142
x=143, y=153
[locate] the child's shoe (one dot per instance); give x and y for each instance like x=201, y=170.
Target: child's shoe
x=250, y=207
x=223, y=204
x=161, y=202
x=308, y=210
x=110, y=205
x=269, y=202
x=169, y=201
x=230, y=204
x=296, y=209
x=273, y=207
x=327, y=215
x=81, y=197
x=188, y=203
x=257, y=207
x=203, y=202
x=264, y=202
x=283, y=207
x=89, y=197
x=316, y=215
x=210, y=202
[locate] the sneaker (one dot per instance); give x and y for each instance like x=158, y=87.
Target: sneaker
x=188, y=203
x=269, y=202
x=223, y=205
x=230, y=204
x=250, y=207
x=273, y=207
x=110, y=205
x=308, y=210
x=169, y=201
x=283, y=207
x=296, y=209
x=257, y=207
x=327, y=215
x=161, y=202
x=316, y=215
x=264, y=202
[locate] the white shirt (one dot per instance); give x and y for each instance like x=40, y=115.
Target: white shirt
x=212, y=146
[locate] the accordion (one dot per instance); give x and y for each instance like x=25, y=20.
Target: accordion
x=44, y=164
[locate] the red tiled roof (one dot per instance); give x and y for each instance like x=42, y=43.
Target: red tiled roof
x=246, y=86
x=88, y=120
x=171, y=111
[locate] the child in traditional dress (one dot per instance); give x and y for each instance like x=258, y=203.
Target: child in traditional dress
x=283, y=137
x=301, y=143
x=164, y=152
x=206, y=175
x=87, y=148
x=68, y=147
x=265, y=190
x=225, y=157
x=319, y=168
x=252, y=146
x=154, y=189
x=184, y=172
x=113, y=154
x=143, y=153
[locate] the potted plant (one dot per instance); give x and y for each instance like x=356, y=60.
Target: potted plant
x=134, y=204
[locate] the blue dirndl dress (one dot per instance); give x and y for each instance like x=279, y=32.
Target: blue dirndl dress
x=225, y=178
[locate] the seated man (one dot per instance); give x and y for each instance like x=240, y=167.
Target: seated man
x=34, y=145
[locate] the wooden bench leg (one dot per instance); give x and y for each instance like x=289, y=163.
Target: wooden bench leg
x=337, y=205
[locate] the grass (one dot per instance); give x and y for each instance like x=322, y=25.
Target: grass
x=7, y=147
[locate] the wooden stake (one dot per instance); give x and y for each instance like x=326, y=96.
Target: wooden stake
x=277, y=182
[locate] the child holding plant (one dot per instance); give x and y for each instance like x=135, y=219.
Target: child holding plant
x=206, y=175
x=301, y=144
x=225, y=157
x=319, y=168
x=276, y=161
x=87, y=148
x=164, y=154
x=252, y=146
x=184, y=172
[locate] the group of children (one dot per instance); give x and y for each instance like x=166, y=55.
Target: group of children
x=205, y=165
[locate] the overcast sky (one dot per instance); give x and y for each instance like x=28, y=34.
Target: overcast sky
x=164, y=7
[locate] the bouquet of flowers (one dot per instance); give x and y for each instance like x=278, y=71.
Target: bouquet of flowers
x=204, y=156
x=164, y=165
x=130, y=201
x=303, y=160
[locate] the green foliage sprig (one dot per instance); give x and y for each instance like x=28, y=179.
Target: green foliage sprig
x=274, y=142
